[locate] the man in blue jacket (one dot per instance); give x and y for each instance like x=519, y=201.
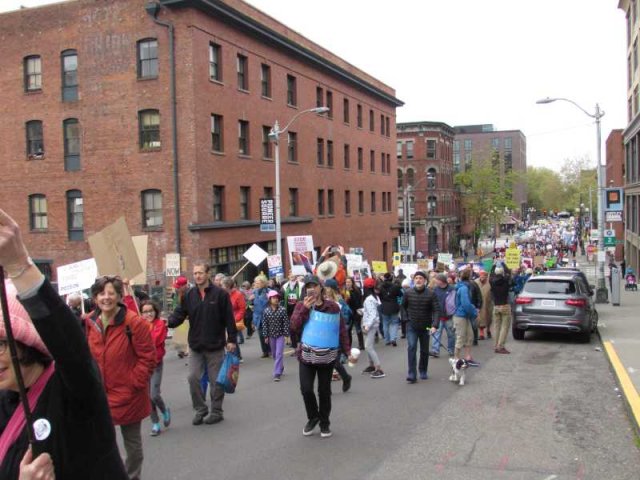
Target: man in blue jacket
x=465, y=313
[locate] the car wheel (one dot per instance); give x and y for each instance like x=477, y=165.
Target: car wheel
x=517, y=333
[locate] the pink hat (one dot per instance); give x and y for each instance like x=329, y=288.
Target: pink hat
x=272, y=293
x=23, y=330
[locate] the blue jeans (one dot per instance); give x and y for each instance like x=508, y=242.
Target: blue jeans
x=451, y=337
x=413, y=336
x=390, y=327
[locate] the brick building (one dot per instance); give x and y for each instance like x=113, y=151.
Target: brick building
x=631, y=138
x=614, y=168
x=482, y=142
x=92, y=127
x=425, y=180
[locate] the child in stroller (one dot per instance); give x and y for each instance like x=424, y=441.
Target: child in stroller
x=630, y=279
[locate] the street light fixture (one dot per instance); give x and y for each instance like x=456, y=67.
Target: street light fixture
x=274, y=136
x=601, y=290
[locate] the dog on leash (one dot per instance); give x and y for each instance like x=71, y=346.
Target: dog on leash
x=458, y=370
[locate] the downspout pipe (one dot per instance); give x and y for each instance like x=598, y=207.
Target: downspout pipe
x=153, y=9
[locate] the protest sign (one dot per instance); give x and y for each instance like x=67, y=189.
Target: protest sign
x=140, y=243
x=274, y=262
x=512, y=258
x=301, y=254
x=76, y=277
x=379, y=266
x=114, y=251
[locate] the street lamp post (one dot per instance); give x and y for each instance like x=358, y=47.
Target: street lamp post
x=274, y=136
x=601, y=289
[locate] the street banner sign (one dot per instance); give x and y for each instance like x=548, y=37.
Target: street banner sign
x=612, y=216
x=404, y=241
x=172, y=264
x=614, y=199
x=267, y=215
x=76, y=277
x=610, y=241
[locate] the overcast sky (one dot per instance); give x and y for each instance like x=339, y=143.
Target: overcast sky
x=474, y=62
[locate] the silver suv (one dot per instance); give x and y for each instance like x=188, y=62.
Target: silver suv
x=555, y=303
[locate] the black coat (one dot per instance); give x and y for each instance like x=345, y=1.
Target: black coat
x=211, y=321
x=422, y=307
x=82, y=442
x=390, y=294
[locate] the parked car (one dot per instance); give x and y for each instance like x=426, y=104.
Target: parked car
x=556, y=303
x=570, y=271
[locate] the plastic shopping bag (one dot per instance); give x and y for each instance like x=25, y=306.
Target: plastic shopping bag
x=229, y=371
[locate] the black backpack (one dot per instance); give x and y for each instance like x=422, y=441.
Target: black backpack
x=475, y=294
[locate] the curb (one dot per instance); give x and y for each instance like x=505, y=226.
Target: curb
x=632, y=399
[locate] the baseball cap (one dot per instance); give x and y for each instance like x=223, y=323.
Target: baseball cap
x=312, y=279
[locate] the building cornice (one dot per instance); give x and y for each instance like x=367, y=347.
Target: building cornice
x=224, y=12
x=198, y=227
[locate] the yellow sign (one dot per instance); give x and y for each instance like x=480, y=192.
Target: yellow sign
x=397, y=259
x=379, y=267
x=512, y=258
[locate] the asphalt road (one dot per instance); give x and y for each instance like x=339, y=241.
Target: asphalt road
x=548, y=411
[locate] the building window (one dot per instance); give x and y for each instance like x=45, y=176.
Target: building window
x=69, y=61
x=32, y=73
x=75, y=215
x=243, y=137
x=320, y=202
x=456, y=162
x=467, y=161
x=399, y=150
x=38, y=219
x=320, y=151
x=71, y=132
x=381, y=124
x=372, y=160
x=292, y=147
x=508, y=143
x=148, y=58
x=431, y=149
x=387, y=126
x=215, y=65
x=35, y=142
x=218, y=203
x=347, y=156
x=330, y=153
x=330, y=202
x=359, y=115
x=409, y=150
x=456, y=145
x=347, y=202
x=400, y=179
x=410, y=177
x=431, y=178
x=373, y=202
x=495, y=143
x=243, y=73
x=151, y=208
x=267, y=146
x=330, y=104
x=372, y=121
x=265, y=80
x=383, y=162
x=149, y=124
x=245, y=209
x=508, y=161
x=319, y=97
x=292, y=94
x=217, y=144
x=360, y=201
x=293, y=202
x=360, y=159
x=384, y=202
x=468, y=144
x=345, y=110
x=432, y=205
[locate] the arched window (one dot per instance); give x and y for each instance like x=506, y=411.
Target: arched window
x=410, y=177
x=400, y=179
x=431, y=178
x=432, y=205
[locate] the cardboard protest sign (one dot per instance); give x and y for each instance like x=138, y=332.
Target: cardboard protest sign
x=379, y=267
x=114, y=251
x=76, y=277
x=140, y=243
x=301, y=254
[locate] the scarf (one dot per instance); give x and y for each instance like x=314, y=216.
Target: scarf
x=18, y=419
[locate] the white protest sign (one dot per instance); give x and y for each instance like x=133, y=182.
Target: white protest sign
x=446, y=258
x=172, y=264
x=255, y=255
x=75, y=277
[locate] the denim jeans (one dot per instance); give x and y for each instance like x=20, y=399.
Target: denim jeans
x=451, y=337
x=413, y=337
x=390, y=327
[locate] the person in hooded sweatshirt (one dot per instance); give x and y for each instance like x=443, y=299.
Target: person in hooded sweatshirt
x=500, y=280
x=462, y=319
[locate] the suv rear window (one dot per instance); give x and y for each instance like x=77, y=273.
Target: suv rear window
x=564, y=287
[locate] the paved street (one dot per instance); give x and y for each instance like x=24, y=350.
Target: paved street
x=550, y=410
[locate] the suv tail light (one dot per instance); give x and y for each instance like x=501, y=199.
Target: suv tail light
x=523, y=300
x=576, y=302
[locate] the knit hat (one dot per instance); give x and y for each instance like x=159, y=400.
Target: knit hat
x=369, y=283
x=23, y=330
x=442, y=277
x=331, y=283
x=420, y=273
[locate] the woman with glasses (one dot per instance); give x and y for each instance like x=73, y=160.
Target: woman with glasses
x=73, y=428
x=151, y=312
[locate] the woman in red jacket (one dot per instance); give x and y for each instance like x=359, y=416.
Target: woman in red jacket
x=151, y=312
x=121, y=343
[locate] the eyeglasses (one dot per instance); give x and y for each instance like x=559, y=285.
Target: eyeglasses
x=4, y=344
x=148, y=312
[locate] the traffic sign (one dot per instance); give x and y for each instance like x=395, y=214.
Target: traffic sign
x=610, y=241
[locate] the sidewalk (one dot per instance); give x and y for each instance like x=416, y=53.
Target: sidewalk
x=619, y=330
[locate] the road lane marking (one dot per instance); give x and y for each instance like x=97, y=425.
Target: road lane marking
x=630, y=392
